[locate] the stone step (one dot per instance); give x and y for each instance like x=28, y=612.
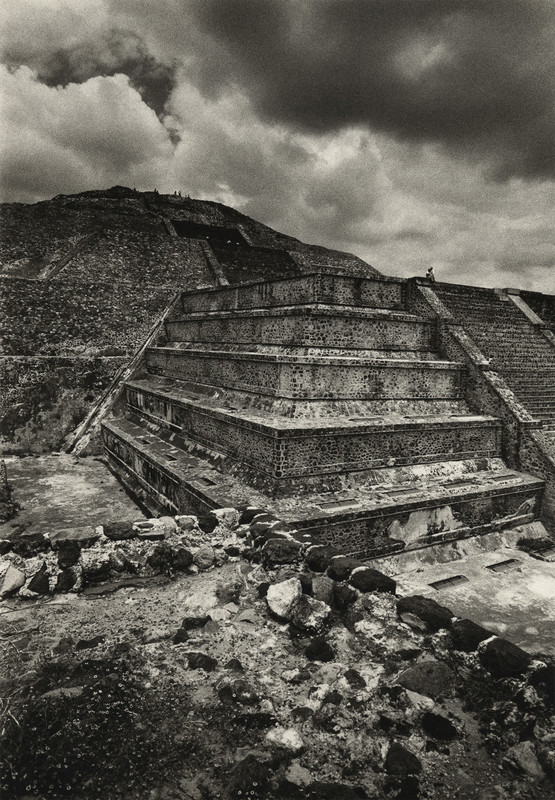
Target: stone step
x=537, y=400
x=531, y=377
x=325, y=288
x=366, y=521
x=539, y=409
x=544, y=379
x=538, y=393
x=514, y=354
x=310, y=408
x=310, y=377
x=305, y=326
x=538, y=404
x=282, y=448
x=534, y=399
x=305, y=352
x=539, y=389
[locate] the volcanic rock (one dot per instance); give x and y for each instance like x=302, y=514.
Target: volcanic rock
x=354, y=679
x=319, y=650
x=318, y=558
x=119, y=531
x=285, y=738
x=400, y=761
x=39, y=582
x=67, y=579
x=467, y=635
x=68, y=555
x=432, y=614
x=249, y=513
x=366, y=579
x=340, y=567
x=439, y=727
x=13, y=580
x=95, y=563
x=281, y=551
x=430, y=678
x=322, y=589
x=309, y=614
x=282, y=597
x=181, y=558
x=344, y=595
x=503, y=659
x=238, y=691
x=201, y=661
x=205, y=557
x=522, y=757
x=29, y=543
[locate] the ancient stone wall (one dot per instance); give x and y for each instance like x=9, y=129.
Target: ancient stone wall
x=310, y=288
x=322, y=328
x=142, y=257
x=242, y=264
x=372, y=537
x=319, y=378
x=68, y=316
x=302, y=452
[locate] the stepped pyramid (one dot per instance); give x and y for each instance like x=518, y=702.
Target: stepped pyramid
x=321, y=399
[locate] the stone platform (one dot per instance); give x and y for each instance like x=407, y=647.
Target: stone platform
x=322, y=400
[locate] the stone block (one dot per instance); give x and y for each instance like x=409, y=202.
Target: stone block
x=503, y=659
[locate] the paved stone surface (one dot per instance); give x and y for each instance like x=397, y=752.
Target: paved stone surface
x=518, y=604
x=58, y=492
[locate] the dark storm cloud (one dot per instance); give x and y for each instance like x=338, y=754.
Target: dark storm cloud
x=476, y=75
x=114, y=51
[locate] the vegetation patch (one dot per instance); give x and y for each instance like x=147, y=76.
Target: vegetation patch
x=95, y=729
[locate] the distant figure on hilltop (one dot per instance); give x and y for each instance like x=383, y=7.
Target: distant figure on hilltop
x=430, y=275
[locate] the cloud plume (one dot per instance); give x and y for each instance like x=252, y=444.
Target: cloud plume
x=474, y=75
x=410, y=132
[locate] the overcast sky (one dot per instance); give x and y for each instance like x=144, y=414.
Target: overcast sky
x=410, y=132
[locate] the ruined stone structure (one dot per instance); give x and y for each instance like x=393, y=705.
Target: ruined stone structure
x=234, y=365
x=328, y=401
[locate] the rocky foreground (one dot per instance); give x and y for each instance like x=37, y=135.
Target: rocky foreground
x=216, y=658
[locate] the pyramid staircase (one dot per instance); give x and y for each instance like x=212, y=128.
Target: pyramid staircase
x=320, y=399
x=516, y=348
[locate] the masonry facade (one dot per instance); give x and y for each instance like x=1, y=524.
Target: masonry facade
x=343, y=405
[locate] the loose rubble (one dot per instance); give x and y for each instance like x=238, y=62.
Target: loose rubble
x=281, y=671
